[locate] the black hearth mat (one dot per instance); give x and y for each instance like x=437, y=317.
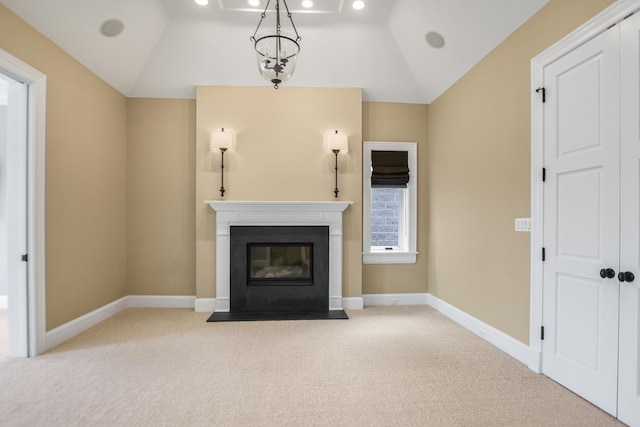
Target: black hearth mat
x=249, y=316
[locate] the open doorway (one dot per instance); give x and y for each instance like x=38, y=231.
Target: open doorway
x=13, y=217
x=22, y=183
x=4, y=93
x=4, y=88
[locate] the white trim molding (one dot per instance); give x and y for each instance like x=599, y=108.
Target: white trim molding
x=4, y=303
x=203, y=305
x=352, y=303
x=395, y=299
x=160, y=301
x=379, y=257
x=516, y=349
x=76, y=326
x=607, y=18
x=278, y=213
x=504, y=342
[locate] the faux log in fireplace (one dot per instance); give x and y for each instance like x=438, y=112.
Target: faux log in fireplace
x=279, y=268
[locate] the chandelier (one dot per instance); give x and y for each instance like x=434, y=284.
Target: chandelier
x=276, y=51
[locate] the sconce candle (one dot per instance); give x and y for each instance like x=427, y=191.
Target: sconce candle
x=223, y=141
x=337, y=142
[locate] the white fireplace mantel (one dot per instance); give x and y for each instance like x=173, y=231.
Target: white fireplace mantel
x=264, y=213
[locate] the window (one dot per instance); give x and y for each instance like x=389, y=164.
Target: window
x=389, y=193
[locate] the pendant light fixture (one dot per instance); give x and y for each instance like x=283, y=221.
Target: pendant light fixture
x=276, y=51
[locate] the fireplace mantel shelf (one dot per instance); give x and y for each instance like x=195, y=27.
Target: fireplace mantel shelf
x=274, y=213
x=277, y=206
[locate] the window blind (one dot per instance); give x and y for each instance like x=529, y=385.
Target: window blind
x=390, y=169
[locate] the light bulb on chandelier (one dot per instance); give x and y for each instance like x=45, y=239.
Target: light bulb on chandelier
x=276, y=51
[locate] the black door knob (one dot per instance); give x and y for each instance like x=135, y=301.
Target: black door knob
x=608, y=273
x=626, y=276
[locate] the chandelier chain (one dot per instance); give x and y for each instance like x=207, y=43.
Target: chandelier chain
x=298, y=38
x=262, y=16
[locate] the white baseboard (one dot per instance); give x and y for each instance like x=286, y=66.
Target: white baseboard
x=160, y=301
x=352, y=303
x=504, y=342
x=4, y=302
x=205, y=305
x=70, y=329
x=395, y=299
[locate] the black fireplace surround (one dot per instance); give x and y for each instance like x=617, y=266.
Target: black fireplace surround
x=279, y=269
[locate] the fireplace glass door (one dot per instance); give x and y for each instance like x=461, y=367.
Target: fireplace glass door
x=280, y=262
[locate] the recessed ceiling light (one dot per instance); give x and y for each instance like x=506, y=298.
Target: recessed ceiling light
x=435, y=40
x=254, y=3
x=358, y=4
x=112, y=27
x=307, y=3
x=202, y=2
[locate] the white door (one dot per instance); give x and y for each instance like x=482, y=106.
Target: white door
x=16, y=211
x=629, y=381
x=581, y=220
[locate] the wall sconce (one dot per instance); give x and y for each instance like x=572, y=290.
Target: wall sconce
x=222, y=140
x=336, y=142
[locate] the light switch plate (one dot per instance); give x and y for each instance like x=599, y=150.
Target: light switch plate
x=523, y=224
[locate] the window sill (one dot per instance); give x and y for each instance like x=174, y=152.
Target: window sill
x=389, y=257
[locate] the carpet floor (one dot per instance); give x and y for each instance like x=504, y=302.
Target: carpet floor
x=385, y=366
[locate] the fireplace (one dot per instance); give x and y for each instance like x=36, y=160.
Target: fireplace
x=279, y=268
x=234, y=215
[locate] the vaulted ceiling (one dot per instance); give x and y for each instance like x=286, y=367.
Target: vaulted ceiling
x=170, y=46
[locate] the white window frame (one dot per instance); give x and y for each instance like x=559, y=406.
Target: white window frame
x=406, y=251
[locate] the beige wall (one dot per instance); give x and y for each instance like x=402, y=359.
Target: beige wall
x=479, y=175
x=160, y=197
x=400, y=123
x=279, y=156
x=86, y=177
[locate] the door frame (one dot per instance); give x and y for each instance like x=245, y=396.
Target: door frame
x=597, y=25
x=36, y=139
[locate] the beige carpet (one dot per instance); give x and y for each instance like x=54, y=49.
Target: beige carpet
x=386, y=366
